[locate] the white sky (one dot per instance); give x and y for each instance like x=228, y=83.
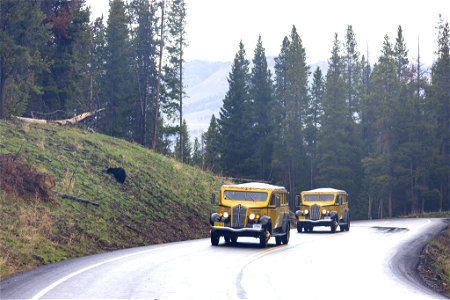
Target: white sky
x=215, y=27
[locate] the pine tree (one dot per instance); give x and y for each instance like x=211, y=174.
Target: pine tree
x=405, y=125
x=176, y=23
x=401, y=54
x=143, y=18
x=234, y=119
x=379, y=165
x=96, y=67
x=212, y=146
x=367, y=115
x=292, y=85
x=351, y=71
x=184, y=142
x=66, y=84
x=367, y=108
x=120, y=81
x=278, y=113
x=261, y=94
x=354, y=80
x=423, y=162
x=314, y=113
x=23, y=37
x=197, y=154
x=440, y=89
x=338, y=158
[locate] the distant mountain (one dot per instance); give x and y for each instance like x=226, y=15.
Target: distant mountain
x=206, y=84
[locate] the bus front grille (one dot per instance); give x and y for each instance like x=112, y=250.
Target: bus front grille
x=238, y=216
x=315, y=212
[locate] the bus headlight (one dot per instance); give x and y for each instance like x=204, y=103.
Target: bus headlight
x=306, y=211
x=324, y=212
x=251, y=216
x=226, y=215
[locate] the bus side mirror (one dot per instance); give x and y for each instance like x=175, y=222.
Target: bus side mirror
x=297, y=200
x=213, y=198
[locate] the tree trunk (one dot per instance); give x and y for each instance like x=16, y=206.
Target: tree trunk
x=414, y=200
x=291, y=184
x=380, y=209
x=181, y=100
x=71, y=121
x=390, y=204
x=158, y=83
x=369, y=209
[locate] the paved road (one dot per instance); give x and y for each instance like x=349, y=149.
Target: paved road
x=374, y=260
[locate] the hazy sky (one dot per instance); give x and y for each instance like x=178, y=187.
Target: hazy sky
x=215, y=27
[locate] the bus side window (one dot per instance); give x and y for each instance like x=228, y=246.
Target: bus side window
x=272, y=200
x=277, y=200
x=339, y=200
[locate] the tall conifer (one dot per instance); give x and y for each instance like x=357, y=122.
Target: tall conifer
x=185, y=143
x=440, y=88
x=143, y=18
x=261, y=95
x=66, y=91
x=212, y=146
x=385, y=92
x=352, y=73
x=234, y=119
x=296, y=101
x=278, y=112
x=119, y=81
x=338, y=147
x=313, y=116
x=23, y=38
x=176, y=44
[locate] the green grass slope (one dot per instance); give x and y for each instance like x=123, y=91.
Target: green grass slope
x=161, y=200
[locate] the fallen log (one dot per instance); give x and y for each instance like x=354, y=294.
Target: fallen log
x=84, y=201
x=71, y=121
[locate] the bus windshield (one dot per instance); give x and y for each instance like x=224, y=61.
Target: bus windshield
x=245, y=196
x=318, y=197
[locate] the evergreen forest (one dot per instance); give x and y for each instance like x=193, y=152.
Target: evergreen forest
x=378, y=129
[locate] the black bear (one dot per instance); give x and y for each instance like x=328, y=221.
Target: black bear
x=119, y=174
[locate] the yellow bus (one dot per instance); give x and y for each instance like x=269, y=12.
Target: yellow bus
x=323, y=207
x=252, y=209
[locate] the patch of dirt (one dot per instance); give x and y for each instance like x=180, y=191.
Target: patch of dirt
x=24, y=180
x=434, y=264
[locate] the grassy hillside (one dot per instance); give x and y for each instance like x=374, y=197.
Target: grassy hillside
x=160, y=201
x=434, y=263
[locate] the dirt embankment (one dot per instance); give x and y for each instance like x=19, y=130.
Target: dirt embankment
x=24, y=181
x=434, y=264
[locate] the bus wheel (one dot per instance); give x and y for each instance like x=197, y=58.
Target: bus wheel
x=264, y=238
x=333, y=227
x=285, y=239
x=215, y=238
x=278, y=240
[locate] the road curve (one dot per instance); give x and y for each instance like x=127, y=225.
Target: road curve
x=374, y=260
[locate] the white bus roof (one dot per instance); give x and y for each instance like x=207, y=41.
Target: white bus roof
x=325, y=190
x=255, y=185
